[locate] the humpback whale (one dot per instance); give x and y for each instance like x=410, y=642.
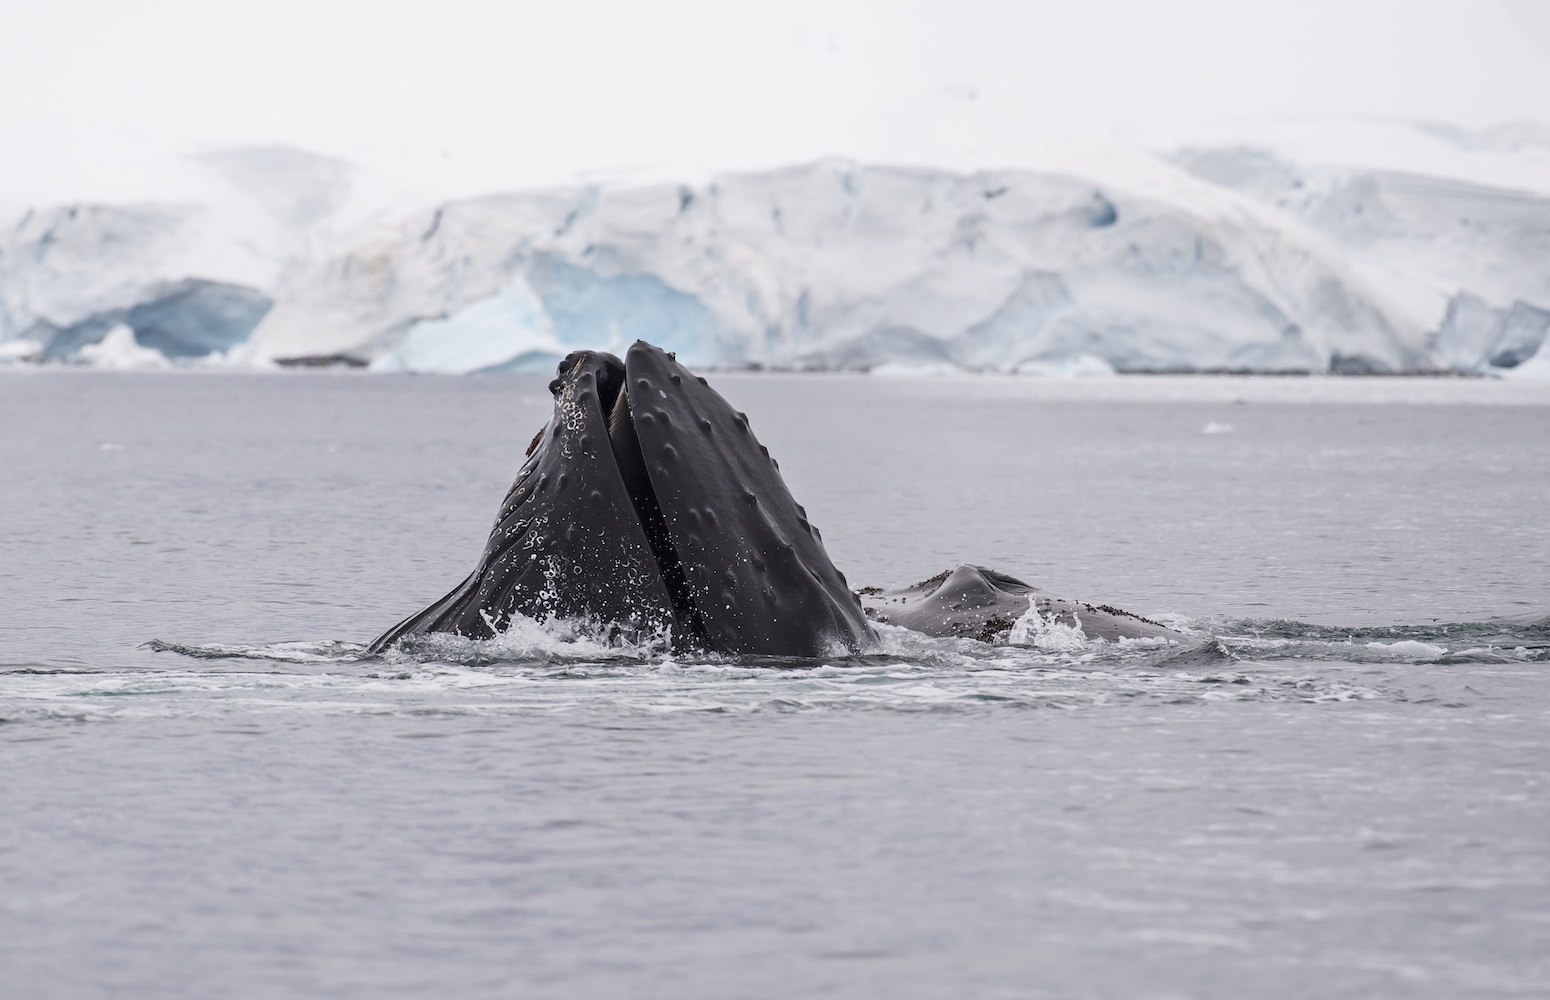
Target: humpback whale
x=973, y=602
x=648, y=505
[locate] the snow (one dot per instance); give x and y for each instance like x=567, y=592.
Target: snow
x=1435, y=246
x=185, y=247
x=1102, y=260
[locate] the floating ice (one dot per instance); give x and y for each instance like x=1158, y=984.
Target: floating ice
x=20, y=349
x=120, y=350
x=1079, y=366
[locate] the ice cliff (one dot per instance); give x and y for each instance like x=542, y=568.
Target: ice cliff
x=1471, y=262
x=190, y=275
x=1212, y=260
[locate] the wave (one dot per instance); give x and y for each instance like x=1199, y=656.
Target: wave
x=567, y=669
x=1495, y=641
x=566, y=644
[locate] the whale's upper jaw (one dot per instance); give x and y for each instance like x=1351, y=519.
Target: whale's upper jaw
x=755, y=570
x=649, y=502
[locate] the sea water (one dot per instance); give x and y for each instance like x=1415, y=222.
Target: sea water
x=1338, y=787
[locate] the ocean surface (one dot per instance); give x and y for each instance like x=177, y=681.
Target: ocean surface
x=1339, y=788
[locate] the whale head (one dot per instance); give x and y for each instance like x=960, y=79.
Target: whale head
x=647, y=502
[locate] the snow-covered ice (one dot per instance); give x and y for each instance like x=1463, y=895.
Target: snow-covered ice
x=835, y=266
x=1218, y=259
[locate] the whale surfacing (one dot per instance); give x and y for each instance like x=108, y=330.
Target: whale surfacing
x=647, y=506
x=647, y=503
x=972, y=602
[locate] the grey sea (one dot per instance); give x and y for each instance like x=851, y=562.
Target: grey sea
x=1338, y=789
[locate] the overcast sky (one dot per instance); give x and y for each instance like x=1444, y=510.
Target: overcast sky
x=538, y=91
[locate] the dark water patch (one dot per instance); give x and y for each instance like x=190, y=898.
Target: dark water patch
x=41, y=669
x=1516, y=630
x=324, y=651
x=1207, y=653
x=1493, y=641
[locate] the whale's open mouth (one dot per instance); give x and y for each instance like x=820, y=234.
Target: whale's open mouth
x=614, y=396
x=681, y=522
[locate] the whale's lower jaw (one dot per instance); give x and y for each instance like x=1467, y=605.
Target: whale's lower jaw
x=647, y=502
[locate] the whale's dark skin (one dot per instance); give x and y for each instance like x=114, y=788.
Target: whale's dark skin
x=568, y=541
x=648, y=503
x=973, y=602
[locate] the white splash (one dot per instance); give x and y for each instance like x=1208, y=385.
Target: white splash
x=1047, y=632
x=544, y=641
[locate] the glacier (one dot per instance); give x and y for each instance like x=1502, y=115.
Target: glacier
x=1200, y=260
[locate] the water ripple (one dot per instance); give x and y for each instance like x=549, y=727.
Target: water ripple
x=568, y=670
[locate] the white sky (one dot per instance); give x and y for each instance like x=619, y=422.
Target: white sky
x=518, y=92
